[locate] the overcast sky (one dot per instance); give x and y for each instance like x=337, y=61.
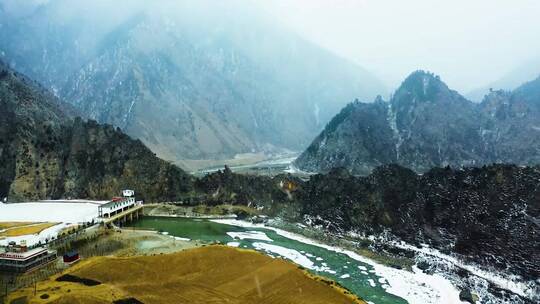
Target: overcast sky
x=469, y=43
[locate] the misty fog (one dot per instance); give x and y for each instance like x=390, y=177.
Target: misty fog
x=471, y=44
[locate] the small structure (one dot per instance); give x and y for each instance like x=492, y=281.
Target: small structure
x=121, y=209
x=20, y=259
x=71, y=257
x=117, y=204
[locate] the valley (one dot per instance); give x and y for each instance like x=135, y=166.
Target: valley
x=200, y=151
x=445, y=209
x=254, y=164
x=191, y=92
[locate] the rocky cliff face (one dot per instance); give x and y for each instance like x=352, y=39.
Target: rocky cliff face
x=45, y=153
x=427, y=125
x=489, y=215
x=189, y=83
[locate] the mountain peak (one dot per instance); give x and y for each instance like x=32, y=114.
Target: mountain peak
x=421, y=86
x=421, y=74
x=422, y=83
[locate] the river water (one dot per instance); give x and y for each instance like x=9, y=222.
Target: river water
x=358, y=277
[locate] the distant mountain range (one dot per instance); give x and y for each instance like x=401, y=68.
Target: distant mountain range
x=425, y=124
x=189, y=83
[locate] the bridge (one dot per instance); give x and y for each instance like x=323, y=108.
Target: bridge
x=127, y=213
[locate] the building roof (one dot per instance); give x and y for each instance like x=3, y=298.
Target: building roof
x=114, y=201
x=21, y=256
x=71, y=254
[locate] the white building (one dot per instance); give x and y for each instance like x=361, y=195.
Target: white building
x=117, y=204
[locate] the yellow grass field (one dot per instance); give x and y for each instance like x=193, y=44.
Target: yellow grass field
x=18, y=229
x=5, y=225
x=211, y=274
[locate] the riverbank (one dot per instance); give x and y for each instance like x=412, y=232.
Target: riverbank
x=231, y=212
x=475, y=283
x=413, y=286
x=199, y=211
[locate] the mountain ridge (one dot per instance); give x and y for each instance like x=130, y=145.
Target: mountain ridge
x=191, y=90
x=428, y=125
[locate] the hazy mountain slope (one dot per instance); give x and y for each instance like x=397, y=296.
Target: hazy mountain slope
x=510, y=81
x=151, y=99
x=189, y=82
x=364, y=138
x=514, y=127
x=431, y=126
x=46, y=153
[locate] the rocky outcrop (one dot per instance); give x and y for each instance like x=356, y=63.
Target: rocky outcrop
x=426, y=125
x=224, y=186
x=45, y=153
x=488, y=215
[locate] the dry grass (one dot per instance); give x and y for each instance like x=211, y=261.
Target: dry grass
x=5, y=225
x=213, y=274
x=25, y=229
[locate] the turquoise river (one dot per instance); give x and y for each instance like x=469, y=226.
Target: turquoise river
x=358, y=277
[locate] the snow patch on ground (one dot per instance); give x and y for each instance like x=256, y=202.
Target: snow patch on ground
x=32, y=239
x=292, y=255
x=233, y=244
x=74, y=201
x=250, y=235
x=181, y=239
x=507, y=283
x=66, y=212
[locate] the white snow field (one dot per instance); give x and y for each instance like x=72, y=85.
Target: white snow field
x=50, y=211
x=64, y=212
